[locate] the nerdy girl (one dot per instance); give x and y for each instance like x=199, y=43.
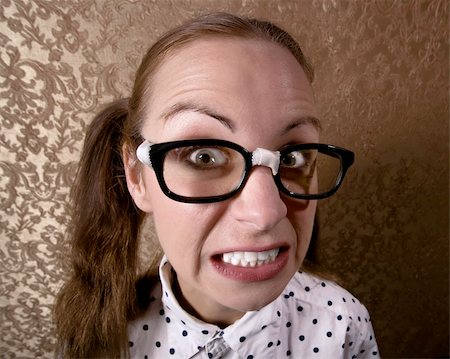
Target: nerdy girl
x=218, y=142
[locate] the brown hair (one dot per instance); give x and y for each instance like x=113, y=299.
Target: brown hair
x=103, y=292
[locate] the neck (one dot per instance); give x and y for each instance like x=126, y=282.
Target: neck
x=222, y=322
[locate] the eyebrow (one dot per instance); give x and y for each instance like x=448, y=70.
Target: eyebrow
x=304, y=120
x=190, y=106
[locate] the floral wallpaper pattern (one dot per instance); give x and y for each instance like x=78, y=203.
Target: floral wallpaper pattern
x=382, y=89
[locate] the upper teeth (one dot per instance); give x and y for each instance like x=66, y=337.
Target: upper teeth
x=250, y=259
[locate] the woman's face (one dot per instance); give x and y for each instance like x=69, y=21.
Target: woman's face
x=253, y=93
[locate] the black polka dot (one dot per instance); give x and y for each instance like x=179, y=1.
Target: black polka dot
x=145, y=327
x=370, y=338
x=183, y=322
x=301, y=338
x=130, y=344
x=316, y=350
x=374, y=353
x=270, y=344
x=250, y=357
x=167, y=320
x=323, y=284
x=172, y=351
x=263, y=327
x=307, y=289
x=288, y=324
x=330, y=302
x=166, y=294
x=362, y=351
x=210, y=355
x=288, y=353
x=185, y=333
x=343, y=299
x=205, y=332
x=278, y=313
x=158, y=344
x=300, y=308
x=343, y=346
x=278, y=343
x=291, y=294
x=350, y=344
x=359, y=319
x=339, y=317
x=314, y=321
x=348, y=329
x=286, y=296
x=329, y=334
x=145, y=356
x=161, y=312
x=353, y=300
x=242, y=339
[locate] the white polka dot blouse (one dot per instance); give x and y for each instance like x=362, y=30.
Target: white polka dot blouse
x=312, y=318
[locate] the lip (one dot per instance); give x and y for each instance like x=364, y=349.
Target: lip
x=251, y=274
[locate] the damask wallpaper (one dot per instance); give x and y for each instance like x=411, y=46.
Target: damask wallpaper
x=382, y=88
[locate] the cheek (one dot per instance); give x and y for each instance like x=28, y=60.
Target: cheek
x=165, y=212
x=301, y=215
x=171, y=222
x=182, y=228
x=177, y=234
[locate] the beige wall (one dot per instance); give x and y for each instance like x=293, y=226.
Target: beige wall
x=382, y=88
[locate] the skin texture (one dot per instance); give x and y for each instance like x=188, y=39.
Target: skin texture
x=254, y=93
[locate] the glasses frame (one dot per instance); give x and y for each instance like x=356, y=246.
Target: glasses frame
x=157, y=153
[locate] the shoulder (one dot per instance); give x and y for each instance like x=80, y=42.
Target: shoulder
x=325, y=304
x=325, y=295
x=327, y=318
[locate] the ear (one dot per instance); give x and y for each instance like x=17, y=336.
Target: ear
x=135, y=181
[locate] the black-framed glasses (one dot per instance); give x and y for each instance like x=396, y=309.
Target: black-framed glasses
x=211, y=170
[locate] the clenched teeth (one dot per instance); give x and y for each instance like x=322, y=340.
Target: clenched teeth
x=250, y=259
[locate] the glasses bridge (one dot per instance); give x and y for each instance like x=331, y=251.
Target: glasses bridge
x=267, y=158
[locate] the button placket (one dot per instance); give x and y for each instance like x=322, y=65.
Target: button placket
x=216, y=348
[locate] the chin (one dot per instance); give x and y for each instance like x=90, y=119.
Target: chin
x=254, y=296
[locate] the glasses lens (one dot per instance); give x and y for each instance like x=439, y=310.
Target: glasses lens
x=309, y=171
x=203, y=171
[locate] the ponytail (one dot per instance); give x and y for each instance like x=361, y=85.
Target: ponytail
x=93, y=308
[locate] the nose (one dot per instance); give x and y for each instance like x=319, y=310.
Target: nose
x=259, y=203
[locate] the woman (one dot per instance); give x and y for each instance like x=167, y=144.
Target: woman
x=219, y=142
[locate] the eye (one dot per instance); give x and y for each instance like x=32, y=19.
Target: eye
x=293, y=159
x=208, y=157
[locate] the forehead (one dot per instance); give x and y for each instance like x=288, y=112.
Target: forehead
x=239, y=78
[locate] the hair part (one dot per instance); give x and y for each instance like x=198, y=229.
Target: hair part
x=104, y=292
